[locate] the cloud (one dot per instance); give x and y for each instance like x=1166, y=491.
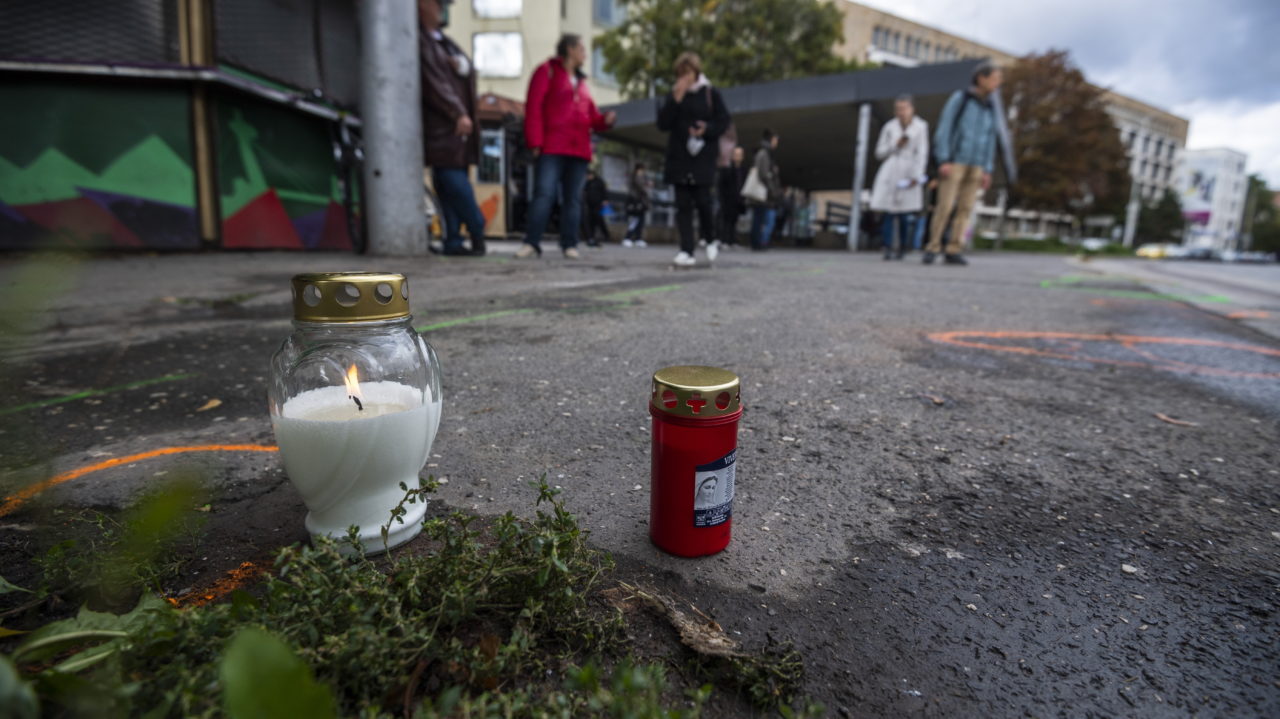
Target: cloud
x=1238, y=125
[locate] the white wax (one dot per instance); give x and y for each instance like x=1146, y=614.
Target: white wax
x=348, y=464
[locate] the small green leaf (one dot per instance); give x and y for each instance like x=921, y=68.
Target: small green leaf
x=6, y=586
x=16, y=695
x=262, y=678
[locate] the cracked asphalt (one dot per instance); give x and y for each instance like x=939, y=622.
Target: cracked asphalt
x=1067, y=506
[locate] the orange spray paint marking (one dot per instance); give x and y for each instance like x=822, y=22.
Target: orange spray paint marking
x=14, y=501
x=1249, y=315
x=974, y=339
x=231, y=581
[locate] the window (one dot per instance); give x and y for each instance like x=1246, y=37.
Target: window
x=608, y=13
x=496, y=8
x=1171, y=152
x=1142, y=168
x=925, y=52
x=498, y=54
x=598, y=73
x=490, y=169
x=875, y=37
x=1146, y=142
x=897, y=41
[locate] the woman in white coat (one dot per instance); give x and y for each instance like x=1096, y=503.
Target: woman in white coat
x=903, y=152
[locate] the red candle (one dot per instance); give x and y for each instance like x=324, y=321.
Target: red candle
x=694, y=464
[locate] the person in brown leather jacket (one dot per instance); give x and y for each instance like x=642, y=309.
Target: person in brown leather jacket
x=450, y=137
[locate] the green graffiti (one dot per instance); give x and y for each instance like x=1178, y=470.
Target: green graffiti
x=265, y=148
x=1073, y=282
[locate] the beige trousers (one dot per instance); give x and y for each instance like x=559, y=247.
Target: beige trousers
x=958, y=191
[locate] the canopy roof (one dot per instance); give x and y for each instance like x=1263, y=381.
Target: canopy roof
x=816, y=117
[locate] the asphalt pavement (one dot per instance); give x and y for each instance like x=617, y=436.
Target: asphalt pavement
x=1033, y=486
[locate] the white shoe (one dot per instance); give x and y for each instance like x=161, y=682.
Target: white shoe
x=713, y=250
x=684, y=259
x=571, y=253
x=641, y=243
x=702, y=243
x=526, y=251
x=627, y=243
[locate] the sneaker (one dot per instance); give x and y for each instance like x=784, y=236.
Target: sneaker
x=641, y=243
x=702, y=243
x=954, y=260
x=571, y=253
x=627, y=243
x=527, y=250
x=684, y=259
x=713, y=250
x=927, y=258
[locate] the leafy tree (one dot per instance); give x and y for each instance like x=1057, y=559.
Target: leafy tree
x=1162, y=220
x=1069, y=154
x=740, y=41
x=1266, y=217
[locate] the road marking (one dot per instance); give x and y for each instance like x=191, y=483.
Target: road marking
x=1072, y=282
x=1132, y=343
x=1249, y=315
x=229, y=582
x=630, y=294
x=14, y=501
x=473, y=318
x=94, y=393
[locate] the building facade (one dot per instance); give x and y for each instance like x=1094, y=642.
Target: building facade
x=1213, y=188
x=509, y=39
x=1154, y=138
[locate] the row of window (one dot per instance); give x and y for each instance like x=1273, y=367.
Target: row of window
x=605, y=12
x=501, y=55
x=1155, y=172
x=911, y=46
x=1162, y=147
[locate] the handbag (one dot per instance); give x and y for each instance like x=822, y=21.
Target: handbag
x=753, y=189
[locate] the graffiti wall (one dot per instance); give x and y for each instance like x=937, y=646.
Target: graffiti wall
x=98, y=165
x=277, y=180
x=108, y=165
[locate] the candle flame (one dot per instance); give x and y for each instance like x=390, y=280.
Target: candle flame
x=353, y=386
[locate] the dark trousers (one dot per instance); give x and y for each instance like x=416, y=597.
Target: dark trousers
x=905, y=224
x=729, y=215
x=689, y=197
x=457, y=204
x=635, y=227
x=593, y=222
x=557, y=175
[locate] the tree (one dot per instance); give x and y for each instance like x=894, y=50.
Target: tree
x=1069, y=154
x=740, y=41
x=1266, y=217
x=1161, y=221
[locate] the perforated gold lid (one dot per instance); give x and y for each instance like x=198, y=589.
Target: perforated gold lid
x=349, y=296
x=696, y=391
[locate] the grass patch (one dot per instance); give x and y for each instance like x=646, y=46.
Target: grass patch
x=485, y=618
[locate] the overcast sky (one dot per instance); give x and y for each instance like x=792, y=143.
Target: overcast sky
x=1216, y=63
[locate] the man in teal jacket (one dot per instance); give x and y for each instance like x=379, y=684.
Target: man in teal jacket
x=964, y=144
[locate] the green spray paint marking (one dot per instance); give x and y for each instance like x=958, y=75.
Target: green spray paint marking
x=473, y=318
x=1072, y=283
x=94, y=393
x=629, y=294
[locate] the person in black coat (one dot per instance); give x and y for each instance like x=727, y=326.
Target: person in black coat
x=595, y=192
x=694, y=116
x=731, y=179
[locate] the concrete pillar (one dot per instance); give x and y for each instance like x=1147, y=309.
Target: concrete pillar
x=391, y=112
x=859, y=174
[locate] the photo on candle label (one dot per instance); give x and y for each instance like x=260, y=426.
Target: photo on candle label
x=713, y=491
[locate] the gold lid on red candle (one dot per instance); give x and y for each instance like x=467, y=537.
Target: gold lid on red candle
x=696, y=391
x=349, y=296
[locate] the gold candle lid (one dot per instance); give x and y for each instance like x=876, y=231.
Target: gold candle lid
x=349, y=296
x=696, y=391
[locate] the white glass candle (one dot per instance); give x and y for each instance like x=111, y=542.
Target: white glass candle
x=348, y=463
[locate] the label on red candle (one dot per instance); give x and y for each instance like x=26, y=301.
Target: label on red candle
x=713, y=491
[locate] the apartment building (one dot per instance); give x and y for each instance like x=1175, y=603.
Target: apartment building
x=508, y=39
x=1213, y=188
x=1154, y=138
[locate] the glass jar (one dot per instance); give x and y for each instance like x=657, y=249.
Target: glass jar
x=355, y=404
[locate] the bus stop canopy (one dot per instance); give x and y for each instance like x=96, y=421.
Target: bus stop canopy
x=817, y=118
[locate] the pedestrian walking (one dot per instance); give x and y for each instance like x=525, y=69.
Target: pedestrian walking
x=694, y=116
x=559, y=118
x=763, y=211
x=729, y=187
x=595, y=193
x=903, y=152
x=964, y=145
x=450, y=141
x=638, y=204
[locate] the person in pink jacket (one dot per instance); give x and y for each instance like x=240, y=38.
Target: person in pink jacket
x=559, y=117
